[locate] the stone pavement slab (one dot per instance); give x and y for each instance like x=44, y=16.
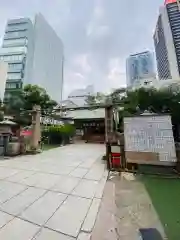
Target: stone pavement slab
x=100, y=187
x=19, y=176
x=41, y=180
x=9, y=190
x=86, y=188
x=7, y=172
x=88, y=163
x=61, y=170
x=41, y=210
x=84, y=236
x=95, y=173
x=66, y=184
x=91, y=216
x=18, y=203
x=79, y=172
x=18, y=229
x=4, y=218
x=47, y=234
x=70, y=216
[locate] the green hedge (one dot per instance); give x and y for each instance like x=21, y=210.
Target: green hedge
x=58, y=134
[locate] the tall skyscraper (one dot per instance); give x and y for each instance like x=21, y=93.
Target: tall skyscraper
x=139, y=66
x=15, y=51
x=48, y=59
x=34, y=54
x=167, y=41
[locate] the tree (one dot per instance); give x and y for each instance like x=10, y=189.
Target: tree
x=35, y=95
x=163, y=101
x=98, y=98
x=91, y=100
x=21, y=103
x=1, y=111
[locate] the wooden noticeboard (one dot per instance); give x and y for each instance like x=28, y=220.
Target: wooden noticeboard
x=149, y=140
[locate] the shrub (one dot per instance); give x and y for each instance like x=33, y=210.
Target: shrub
x=58, y=134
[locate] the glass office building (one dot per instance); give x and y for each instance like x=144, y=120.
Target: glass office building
x=138, y=67
x=167, y=41
x=14, y=51
x=34, y=54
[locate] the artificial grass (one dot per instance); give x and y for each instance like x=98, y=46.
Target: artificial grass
x=165, y=196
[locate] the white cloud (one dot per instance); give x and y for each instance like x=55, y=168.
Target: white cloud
x=116, y=74
x=81, y=61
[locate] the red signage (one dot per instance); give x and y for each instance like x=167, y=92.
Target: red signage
x=169, y=1
x=26, y=133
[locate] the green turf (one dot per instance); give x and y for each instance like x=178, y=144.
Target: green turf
x=48, y=146
x=165, y=196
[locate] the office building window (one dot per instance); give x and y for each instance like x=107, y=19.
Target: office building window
x=13, y=50
x=15, y=66
x=15, y=34
x=13, y=85
x=16, y=24
x=14, y=76
x=7, y=58
x=10, y=85
x=19, y=41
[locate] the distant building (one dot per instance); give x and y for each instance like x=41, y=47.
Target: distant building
x=3, y=77
x=67, y=103
x=34, y=54
x=167, y=41
x=139, y=66
x=79, y=96
x=145, y=83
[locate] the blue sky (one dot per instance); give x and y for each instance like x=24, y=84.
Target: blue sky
x=98, y=35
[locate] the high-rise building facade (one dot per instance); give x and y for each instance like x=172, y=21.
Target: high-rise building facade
x=15, y=48
x=48, y=59
x=167, y=41
x=34, y=54
x=139, y=66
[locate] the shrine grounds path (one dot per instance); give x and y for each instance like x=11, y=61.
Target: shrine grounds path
x=53, y=195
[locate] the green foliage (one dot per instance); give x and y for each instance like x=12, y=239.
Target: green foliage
x=1, y=111
x=163, y=101
x=22, y=102
x=96, y=99
x=58, y=134
x=91, y=100
x=35, y=95
x=66, y=129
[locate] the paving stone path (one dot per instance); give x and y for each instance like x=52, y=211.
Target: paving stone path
x=53, y=195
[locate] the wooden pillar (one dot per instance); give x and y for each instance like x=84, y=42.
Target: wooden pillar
x=108, y=123
x=36, y=128
x=108, y=131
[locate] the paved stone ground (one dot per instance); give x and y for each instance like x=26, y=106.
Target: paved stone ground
x=54, y=195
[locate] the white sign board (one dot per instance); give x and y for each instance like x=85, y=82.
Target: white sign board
x=150, y=134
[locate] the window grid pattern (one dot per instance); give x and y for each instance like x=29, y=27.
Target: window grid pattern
x=161, y=52
x=174, y=19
